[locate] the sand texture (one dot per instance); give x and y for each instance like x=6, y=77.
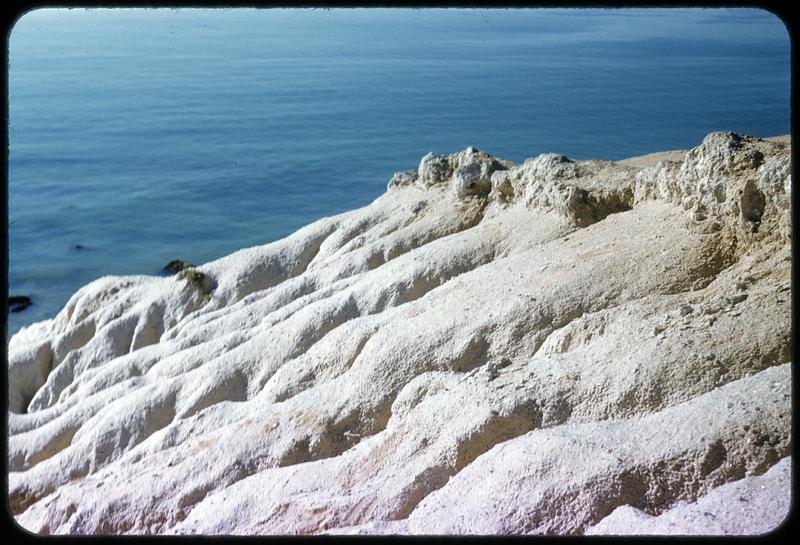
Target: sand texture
x=553, y=347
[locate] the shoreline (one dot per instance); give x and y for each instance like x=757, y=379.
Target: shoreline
x=634, y=161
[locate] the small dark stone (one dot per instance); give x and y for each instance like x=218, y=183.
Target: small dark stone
x=752, y=203
x=176, y=266
x=504, y=362
x=18, y=303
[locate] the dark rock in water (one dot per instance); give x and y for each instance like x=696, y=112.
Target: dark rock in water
x=176, y=266
x=18, y=303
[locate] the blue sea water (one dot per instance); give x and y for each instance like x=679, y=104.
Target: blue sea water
x=146, y=135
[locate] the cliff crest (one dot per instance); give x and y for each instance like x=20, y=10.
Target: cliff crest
x=566, y=337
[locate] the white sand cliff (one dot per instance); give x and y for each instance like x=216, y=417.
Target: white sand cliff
x=556, y=347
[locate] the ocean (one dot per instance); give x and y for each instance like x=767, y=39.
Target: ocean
x=138, y=136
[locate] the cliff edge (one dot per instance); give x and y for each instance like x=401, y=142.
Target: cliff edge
x=554, y=347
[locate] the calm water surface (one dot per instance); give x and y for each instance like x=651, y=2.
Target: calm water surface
x=149, y=135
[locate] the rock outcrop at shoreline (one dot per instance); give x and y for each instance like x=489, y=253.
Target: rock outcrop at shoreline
x=556, y=347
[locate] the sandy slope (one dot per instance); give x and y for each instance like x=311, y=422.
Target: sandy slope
x=486, y=348
x=750, y=506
